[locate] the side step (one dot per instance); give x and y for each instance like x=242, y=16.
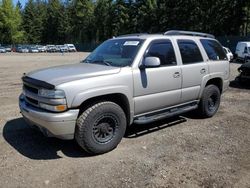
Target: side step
x=169, y=112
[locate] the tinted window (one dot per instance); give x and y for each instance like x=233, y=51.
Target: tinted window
x=164, y=51
x=245, y=50
x=190, y=52
x=213, y=49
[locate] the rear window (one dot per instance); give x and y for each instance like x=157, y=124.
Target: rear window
x=213, y=49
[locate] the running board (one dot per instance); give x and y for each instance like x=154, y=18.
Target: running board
x=149, y=118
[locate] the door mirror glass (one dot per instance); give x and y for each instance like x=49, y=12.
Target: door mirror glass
x=151, y=62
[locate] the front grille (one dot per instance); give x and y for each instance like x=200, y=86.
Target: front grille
x=30, y=89
x=31, y=101
x=31, y=94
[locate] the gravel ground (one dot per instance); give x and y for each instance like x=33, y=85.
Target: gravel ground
x=179, y=152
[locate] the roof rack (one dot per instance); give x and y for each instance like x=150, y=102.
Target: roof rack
x=190, y=33
x=133, y=34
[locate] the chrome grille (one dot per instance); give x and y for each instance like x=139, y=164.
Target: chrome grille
x=31, y=101
x=32, y=98
x=31, y=94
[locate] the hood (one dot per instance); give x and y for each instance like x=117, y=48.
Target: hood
x=66, y=73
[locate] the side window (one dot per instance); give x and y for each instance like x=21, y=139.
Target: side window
x=245, y=50
x=213, y=49
x=190, y=53
x=164, y=51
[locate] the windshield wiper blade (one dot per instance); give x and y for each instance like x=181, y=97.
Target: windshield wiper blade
x=108, y=63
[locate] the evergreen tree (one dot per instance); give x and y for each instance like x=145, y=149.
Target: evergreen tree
x=82, y=12
x=34, y=15
x=10, y=23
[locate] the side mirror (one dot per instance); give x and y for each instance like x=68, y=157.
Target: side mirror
x=150, y=62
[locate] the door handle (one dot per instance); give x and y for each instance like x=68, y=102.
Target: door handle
x=203, y=71
x=176, y=75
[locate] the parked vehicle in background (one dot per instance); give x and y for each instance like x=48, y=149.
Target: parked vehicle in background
x=8, y=48
x=71, y=47
x=244, y=71
x=2, y=49
x=63, y=48
x=41, y=48
x=51, y=48
x=137, y=78
x=22, y=49
x=229, y=54
x=33, y=49
x=242, y=51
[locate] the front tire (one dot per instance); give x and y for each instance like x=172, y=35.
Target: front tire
x=210, y=101
x=100, y=128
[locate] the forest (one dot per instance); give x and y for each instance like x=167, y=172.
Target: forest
x=87, y=21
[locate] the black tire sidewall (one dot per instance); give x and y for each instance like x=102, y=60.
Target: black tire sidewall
x=208, y=91
x=88, y=142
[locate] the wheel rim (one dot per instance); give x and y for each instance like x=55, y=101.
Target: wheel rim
x=212, y=102
x=104, y=128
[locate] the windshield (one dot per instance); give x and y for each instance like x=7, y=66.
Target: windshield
x=115, y=52
x=249, y=50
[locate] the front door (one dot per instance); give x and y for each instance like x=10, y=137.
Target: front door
x=159, y=87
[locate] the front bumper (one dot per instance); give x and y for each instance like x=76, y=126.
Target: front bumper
x=60, y=125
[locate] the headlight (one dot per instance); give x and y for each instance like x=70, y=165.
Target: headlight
x=52, y=94
x=57, y=108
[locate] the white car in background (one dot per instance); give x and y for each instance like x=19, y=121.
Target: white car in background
x=42, y=48
x=2, y=50
x=228, y=52
x=23, y=49
x=33, y=49
x=242, y=51
x=71, y=47
x=62, y=48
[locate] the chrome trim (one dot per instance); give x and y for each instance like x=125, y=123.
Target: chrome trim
x=34, y=96
x=44, y=100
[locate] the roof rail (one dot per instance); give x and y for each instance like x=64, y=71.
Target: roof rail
x=133, y=34
x=190, y=33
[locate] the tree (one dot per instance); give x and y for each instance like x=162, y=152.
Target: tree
x=102, y=18
x=10, y=23
x=34, y=15
x=82, y=12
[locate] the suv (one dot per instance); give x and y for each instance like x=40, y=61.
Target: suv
x=137, y=78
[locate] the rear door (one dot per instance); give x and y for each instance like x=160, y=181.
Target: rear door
x=193, y=68
x=217, y=59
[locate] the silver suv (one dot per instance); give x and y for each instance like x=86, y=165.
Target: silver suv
x=137, y=78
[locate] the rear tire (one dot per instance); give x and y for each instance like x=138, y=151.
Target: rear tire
x=210, y=101
x=100, y=128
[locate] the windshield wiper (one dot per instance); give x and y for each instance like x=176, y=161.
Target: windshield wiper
x=108, y=63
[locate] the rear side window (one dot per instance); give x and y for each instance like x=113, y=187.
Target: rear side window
x=164, y=51
x=190, y=53
x=245, y=50
x=213, y=49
